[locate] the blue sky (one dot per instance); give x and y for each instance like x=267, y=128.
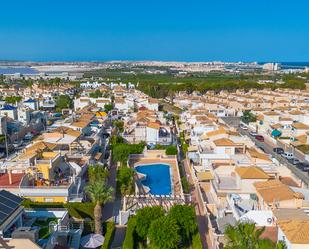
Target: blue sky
x=246, y=30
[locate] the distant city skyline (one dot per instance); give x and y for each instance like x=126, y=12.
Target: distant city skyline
x=69, y=30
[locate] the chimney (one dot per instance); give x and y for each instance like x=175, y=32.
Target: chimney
x=10, y=177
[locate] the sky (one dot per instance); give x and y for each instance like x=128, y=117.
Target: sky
x=169, y=30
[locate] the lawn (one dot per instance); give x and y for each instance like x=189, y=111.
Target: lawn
x=44, y=227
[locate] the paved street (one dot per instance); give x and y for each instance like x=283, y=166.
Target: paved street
x=119, y=236
x=268, y=148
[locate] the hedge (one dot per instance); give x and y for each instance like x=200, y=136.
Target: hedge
x=129, y=239
x=78, y=210
x=196, y=241
x=185, y=185
x=109, y=227
x=171, y=150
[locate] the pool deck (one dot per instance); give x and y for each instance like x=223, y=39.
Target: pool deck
x=157, y=157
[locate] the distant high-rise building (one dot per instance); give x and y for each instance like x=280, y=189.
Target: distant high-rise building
x=271, y=67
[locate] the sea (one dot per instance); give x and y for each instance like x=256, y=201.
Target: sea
x=29, y=70
x=294, y=65
x=21, y=70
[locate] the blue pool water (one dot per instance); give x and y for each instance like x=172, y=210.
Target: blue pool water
x=158, y=178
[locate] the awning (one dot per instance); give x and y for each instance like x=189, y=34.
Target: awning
x=97, y=156
x=204, y=176
x=276, y=133
x=192, y=149
x=101, y=114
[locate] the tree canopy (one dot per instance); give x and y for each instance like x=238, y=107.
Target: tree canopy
x=96, y=94
x=163, y=233
x=248, y=236
x=99, y=193
x=186, y=220
x=63, y=102
x=248, y=117
x=108, y=107
x=171, y=150
x=121, y=151
x=174, y=229
x=97, y=173
x=13, y=99
x=119, y=125
x=125, y=180
x=144, y=217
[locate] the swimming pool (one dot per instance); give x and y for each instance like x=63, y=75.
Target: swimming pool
x=158, y=178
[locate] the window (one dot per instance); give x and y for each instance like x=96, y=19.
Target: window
x=48, y=199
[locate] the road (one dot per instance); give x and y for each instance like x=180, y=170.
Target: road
x=268, y=148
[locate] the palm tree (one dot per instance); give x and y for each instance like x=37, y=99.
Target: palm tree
x=99, y=194
x=248, y=236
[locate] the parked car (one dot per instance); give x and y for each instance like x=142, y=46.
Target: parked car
x=28, y=136
x=287, y=155
x=300, y=165
x=306, y=168
x=278, y=150
x=294, y=161
x=17, y=144
x=303, y=166
x=259, y=138
x=253, y=133
x=243, y=127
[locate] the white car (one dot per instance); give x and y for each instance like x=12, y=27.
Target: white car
x=243, y=127
x=253, y=133
x=17, y=144
x=287, y=155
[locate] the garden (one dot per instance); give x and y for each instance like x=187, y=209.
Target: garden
x=152, y=227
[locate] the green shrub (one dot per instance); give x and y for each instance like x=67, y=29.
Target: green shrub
x=97, y=173
x=119, y=124
x=184, y=145
x=125, y=183
x=108, y=107
x=96, y=94
x=171, y=150
x=79, y=210
x=130, y=234
x=109, y=228
x=164, y=233
x=159, y=147
x=122, y=151
x=196, y=241
x=144, y=217
x=185, y=185
x=30, y=204
x=185, y=218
